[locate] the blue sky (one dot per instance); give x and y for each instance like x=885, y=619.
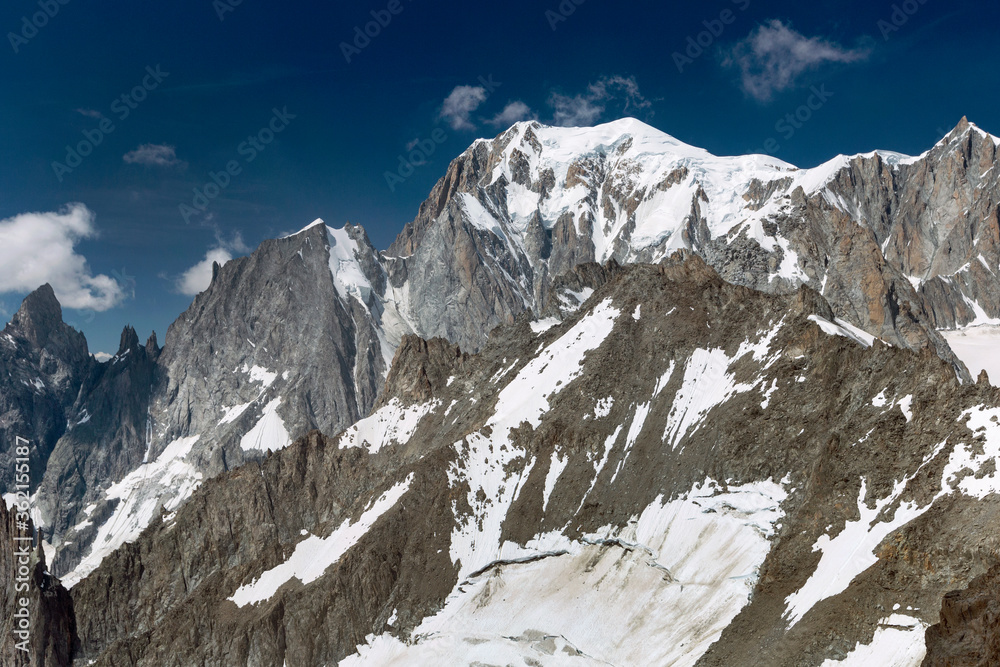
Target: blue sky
x=164, y=95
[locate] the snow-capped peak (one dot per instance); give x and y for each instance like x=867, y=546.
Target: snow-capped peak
x=317, y=221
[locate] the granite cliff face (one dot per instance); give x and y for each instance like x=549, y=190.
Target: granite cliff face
x=43, y=365
x=50, y=638
x=935, y=217
x=287, y=340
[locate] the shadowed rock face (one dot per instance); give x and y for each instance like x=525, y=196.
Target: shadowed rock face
x=269, y=352
x=43, y=365
x=52, y=626
x=105, y=440
x=577, y=461
x=968, y=634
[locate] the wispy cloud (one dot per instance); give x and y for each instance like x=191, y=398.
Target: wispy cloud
x=773, y=56
x=589, y=107
x=514, y=112
x=613, y=94
x=461, y=104
x=90, y=113
x=154, y=155
x=39, y=248
x=198, y=278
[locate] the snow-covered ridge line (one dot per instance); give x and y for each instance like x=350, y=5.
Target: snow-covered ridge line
x=658, y=187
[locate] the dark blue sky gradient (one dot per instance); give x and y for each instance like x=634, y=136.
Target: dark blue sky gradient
x=353, y=120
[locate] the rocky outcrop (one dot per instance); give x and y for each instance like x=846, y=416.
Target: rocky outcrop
x=422, y=369
x=41, y=633
x=43, y=365
x=107, y=437
x=968, y=634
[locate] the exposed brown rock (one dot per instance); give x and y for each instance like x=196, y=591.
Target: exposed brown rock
x=968, y=634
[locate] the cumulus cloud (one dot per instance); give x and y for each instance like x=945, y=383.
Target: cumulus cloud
x=153, y=155
x=514, y=112
x=588, y=107
x=773, y=56
x=39, y=248
x=460, y=104
x=197, y=279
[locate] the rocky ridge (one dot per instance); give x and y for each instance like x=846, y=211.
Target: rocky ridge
x=677, y=444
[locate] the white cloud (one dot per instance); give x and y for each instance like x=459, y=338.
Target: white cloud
x=514, y=112
x=587, y=108
x=578, y=111
x=153, y=155
x=39, y=248
x=197, y=279
x=774, y=55
x=103, y=356
x=90, y=113
x=460, y=104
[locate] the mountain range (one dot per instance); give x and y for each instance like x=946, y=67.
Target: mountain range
x=607, y=399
